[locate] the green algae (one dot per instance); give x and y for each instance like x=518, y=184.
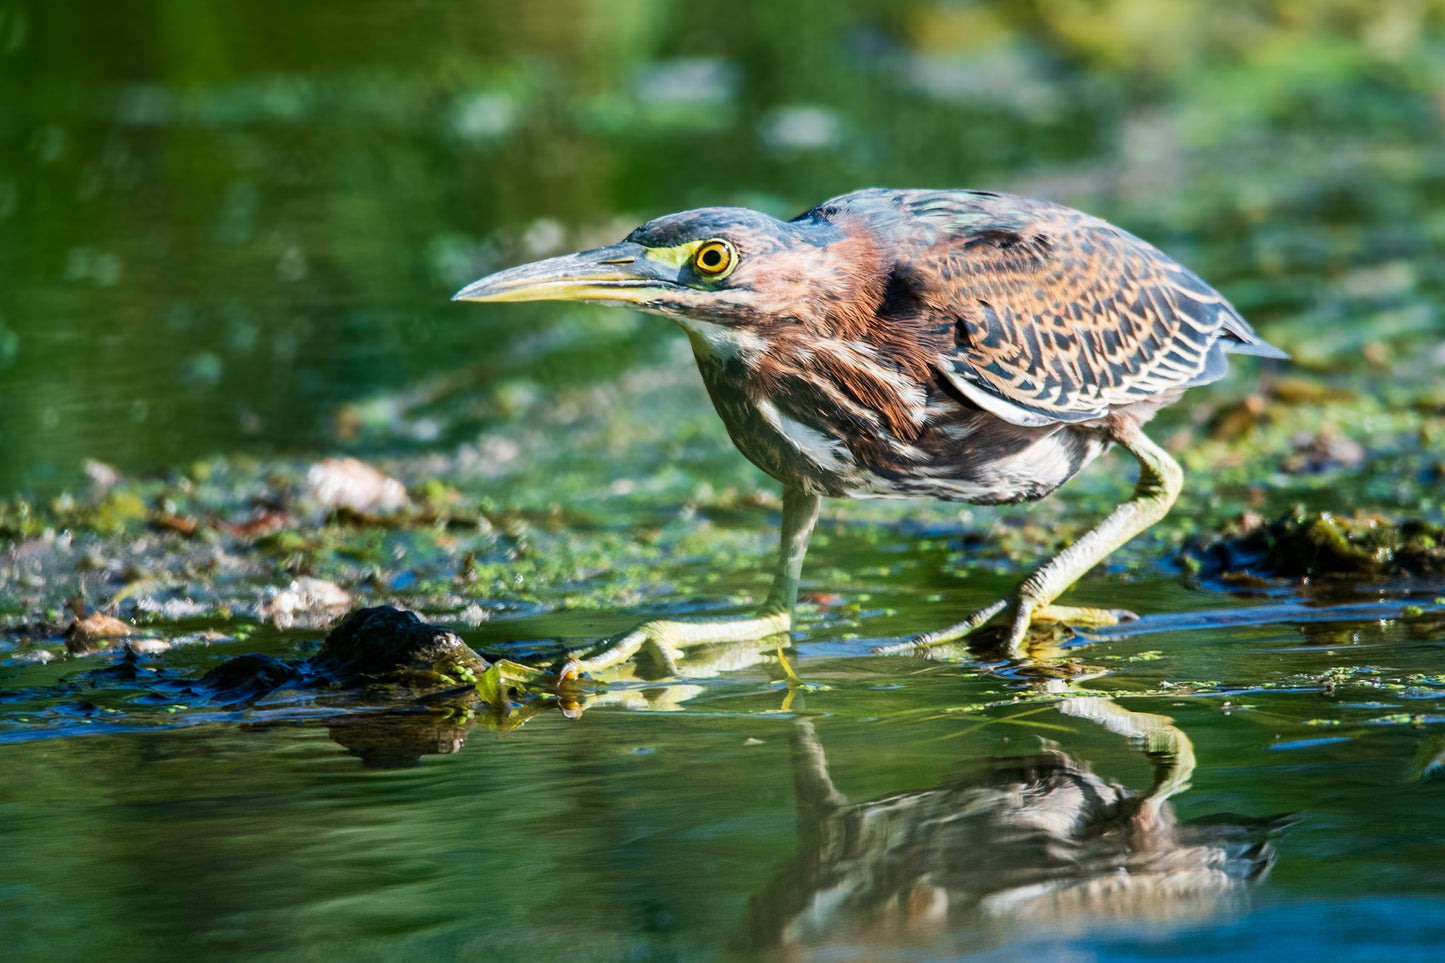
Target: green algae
x=1315, y=544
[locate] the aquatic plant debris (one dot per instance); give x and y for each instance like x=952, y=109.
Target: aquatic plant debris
x=1315, y=544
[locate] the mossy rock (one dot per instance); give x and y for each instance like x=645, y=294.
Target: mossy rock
x=1322, y=544
x=389, y=643
x=1357, y=545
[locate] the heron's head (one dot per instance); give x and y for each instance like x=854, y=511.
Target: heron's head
x=712, y=268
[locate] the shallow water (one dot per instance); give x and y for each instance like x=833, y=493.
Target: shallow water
x=225, y=233
x=665, y=822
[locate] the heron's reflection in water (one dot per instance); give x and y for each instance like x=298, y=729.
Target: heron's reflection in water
x=1038, y=842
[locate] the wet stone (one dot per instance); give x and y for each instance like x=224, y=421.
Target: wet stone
x=89, y=633
x=249, y=677
x=207, y=637
x=306, y=602
x=383, y=640
x=147, y=646
x=350, y=483
x=173, y=609
x=33, y=657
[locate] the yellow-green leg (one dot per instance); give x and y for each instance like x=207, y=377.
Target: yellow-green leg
x=668, y=639
x=1160, y=479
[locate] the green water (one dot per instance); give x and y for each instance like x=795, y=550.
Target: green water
x=228, y=236
x=651, y=835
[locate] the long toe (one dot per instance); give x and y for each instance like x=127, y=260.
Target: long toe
x=1082, y=616
x=959, y=630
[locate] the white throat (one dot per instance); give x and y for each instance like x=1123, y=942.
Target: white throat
x=722, y=342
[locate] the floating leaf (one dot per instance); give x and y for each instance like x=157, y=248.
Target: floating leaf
x=504, y=680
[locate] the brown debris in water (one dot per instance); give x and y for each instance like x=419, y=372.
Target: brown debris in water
x=87, y=633
x=1324, y=451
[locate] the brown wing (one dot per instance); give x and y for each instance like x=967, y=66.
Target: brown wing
x=1060, y=316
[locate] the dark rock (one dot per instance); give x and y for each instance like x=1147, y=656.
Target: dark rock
x=385, y=641
x=391, y=651
x=247, y=678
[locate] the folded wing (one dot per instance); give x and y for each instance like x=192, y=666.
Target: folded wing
x=1060, y=317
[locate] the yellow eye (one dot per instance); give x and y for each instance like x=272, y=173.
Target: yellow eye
x=715, y=259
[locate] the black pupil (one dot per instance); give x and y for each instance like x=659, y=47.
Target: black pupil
x=711, y=258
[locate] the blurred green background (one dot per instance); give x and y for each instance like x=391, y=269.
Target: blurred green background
x=234, y=227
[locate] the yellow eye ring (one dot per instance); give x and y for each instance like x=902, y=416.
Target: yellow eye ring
x=715, y=259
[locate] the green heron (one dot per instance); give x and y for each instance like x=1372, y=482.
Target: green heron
x=962, y=345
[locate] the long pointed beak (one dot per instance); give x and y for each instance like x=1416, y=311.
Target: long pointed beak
x=620, y=274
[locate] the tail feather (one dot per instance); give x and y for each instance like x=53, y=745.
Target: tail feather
x=1258, y=348
x=1239, y=338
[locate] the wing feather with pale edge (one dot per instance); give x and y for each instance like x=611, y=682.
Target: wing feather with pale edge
x=1059, y=316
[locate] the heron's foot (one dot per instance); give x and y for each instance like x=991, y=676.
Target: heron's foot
x=1085, y=616
x=1013, y=618
x=668, y=640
